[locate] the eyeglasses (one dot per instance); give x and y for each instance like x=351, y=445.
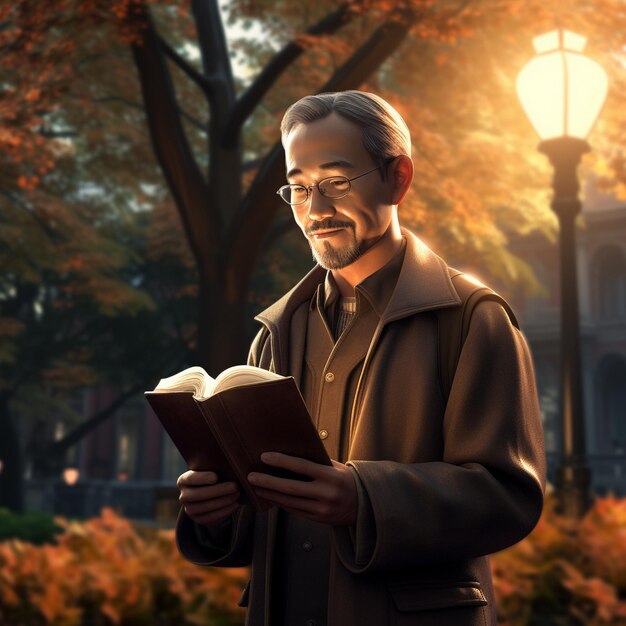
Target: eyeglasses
x=332, y=187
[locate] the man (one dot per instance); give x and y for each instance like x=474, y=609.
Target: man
x=422, y=486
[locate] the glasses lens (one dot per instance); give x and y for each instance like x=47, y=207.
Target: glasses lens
x=293, y=194
x=334, y=187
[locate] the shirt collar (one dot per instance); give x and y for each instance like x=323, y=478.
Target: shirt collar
x=377, y=287
x=423, y=284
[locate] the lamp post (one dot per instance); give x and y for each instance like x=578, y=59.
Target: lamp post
x=562, y=92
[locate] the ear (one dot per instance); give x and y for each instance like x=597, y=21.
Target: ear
x=400, y=177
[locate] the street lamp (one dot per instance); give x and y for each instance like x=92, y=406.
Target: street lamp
x=70, y=476
x=562, y=92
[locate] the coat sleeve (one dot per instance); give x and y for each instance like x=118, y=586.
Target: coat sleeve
x=487, y=491
x=229, y=544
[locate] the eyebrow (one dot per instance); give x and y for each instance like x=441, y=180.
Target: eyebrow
x=331, y=165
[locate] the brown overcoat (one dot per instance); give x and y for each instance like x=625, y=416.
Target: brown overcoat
x=446, y=483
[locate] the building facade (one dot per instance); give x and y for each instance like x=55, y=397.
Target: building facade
x=601, y=260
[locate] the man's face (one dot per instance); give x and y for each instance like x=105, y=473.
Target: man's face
x=341, y=230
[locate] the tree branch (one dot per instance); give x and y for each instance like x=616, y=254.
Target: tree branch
x=75, y=435
x=57, y=448
x=224, y=164
x=202, y=223
x=274, y=69
x=202, y=81
x=215, y=59
x=22, y=205
x=57, y=134
x=383, y=42
x=192, y=120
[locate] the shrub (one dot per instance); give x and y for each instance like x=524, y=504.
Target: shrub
x=33, y=527
x=570, y=572
x=105, y=571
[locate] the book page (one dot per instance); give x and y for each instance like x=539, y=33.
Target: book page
x=242, y=375
x=194, y=379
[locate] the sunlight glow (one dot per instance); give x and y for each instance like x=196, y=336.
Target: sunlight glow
x=561, y=90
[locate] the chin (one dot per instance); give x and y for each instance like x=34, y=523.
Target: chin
x=331, y=258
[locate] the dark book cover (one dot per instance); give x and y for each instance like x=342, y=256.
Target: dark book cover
x=227, y=432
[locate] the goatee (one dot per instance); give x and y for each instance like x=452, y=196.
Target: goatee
x=328, y=256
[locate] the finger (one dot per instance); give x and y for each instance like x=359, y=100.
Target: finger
x=303, y=505
x=288, y=486
x=199, y=494
x=192, y=478
x=294, y=463
x=210, y=506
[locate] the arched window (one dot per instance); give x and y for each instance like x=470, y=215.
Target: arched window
x=609, y=278
x=611, y=402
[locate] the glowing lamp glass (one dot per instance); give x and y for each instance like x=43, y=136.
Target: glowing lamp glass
x=561, y=90
x=70, y=475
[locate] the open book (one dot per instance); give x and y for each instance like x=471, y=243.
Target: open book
x=225, y=424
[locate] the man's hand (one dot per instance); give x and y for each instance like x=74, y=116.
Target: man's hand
x=205, y=500
x=330, y=498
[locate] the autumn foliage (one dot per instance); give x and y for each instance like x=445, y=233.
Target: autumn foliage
x=566, y=571
x=106, y=571
x=44, y=36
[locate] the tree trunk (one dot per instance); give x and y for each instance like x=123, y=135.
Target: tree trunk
x=11, y=475
x=222, y=340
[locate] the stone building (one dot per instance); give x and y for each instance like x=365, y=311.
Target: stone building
x=601, y=258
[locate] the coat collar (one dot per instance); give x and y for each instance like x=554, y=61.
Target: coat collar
x=423, y=284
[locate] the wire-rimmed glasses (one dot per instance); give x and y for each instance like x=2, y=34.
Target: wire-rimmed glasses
x=331, y=187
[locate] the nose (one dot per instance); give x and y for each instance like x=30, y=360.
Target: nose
x=319, y=206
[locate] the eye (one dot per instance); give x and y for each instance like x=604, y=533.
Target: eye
x=334, y=185
x=298, y=192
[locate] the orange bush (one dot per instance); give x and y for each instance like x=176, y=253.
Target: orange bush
x=566, y=571
x=104, y=572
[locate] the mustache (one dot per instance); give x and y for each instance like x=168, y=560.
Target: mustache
x=328, y=225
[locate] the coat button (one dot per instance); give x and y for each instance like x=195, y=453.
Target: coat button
x=307, y=546
x=323, y=434
x=329, y=377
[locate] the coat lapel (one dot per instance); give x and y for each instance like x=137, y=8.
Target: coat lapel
x=423, y=284
x=277, y=317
